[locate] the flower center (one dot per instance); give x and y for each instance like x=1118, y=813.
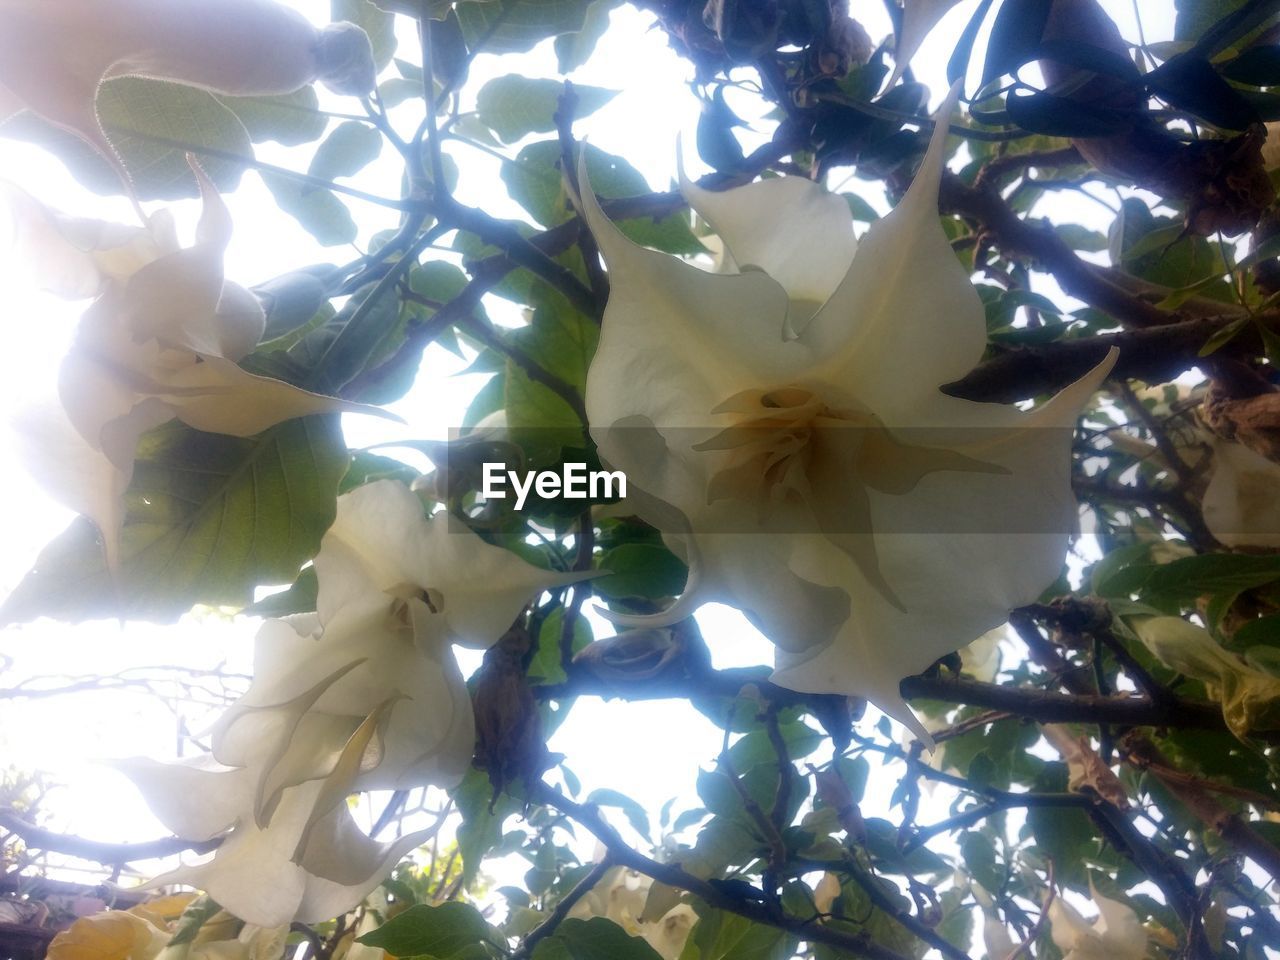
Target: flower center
x=788, y=445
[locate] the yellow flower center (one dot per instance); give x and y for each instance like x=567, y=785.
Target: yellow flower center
x=790, y=445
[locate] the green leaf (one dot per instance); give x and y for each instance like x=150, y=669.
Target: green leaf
x=209, y=517
x=533, y=180
x=397, y=90
x=574, y=49
x=377, y=23
x=756, y=748
x=514, y=26
x=641, y=570
x=632, y=810
x=349, y=149
x=545, y=665
x=862, y=211
x=133, y=112
x=1061, y=117
x=514, y=106
x=1194, y=17
x=594, y=939
x=290, y=119
x=426, y=931
x=1258, y=66
x=316, y=209
x=979, y=854
x=482, y=818
x=727, y=936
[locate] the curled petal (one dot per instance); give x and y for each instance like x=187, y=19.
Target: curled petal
x=76, y=257
x=197, y=799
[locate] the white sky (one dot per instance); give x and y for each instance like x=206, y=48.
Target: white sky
x=648, y=751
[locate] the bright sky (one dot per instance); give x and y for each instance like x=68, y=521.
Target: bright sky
x=648, y=751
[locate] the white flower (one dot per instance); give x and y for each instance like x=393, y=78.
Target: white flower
x=981, y=659
x=364, y=694
x=55, y=53
x=919, y=17
x=783, y=427
x=621, y=896
x=1116, y=934
x=161, y=340
x=1241, y=504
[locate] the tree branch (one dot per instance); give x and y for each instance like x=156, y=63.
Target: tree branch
x=97, y=850
x=859, y=944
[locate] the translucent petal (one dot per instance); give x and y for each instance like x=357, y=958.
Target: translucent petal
x=809, y=244
x=918, y=18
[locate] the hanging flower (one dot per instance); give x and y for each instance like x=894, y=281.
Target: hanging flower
x=364, y=694
x=621, y=896
x=143, y=933
x=54, y=55
x=161, y=340
x=1248, y=691
x=782, y=425
x=1241, y=504
x=1116, y=934
x=110, y=935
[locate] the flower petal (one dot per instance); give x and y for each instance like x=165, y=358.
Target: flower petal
x=381, y=540
x=884, y=319
x=808, y=245
x=918, y=18
x=217, y=396
x=1241, y=504
x=72, y=256
x=197, y=799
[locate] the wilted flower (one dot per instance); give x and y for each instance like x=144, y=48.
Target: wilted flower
x=111, y=935
x=1249, y=694
x=161, y=340
x=143, y=933
x=363, y=694
x=621, y=896
x=53, y=55
x=783, y=426
x=1241, y=504
x=1116, y=934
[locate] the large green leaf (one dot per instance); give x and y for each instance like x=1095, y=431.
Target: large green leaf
x=594, y=939
x=1194, y=17
x=349, y=149
x=514, y=106
x=425, y=931
x=209, y=518
x=513, y=26
x=144, y=119
x=290, y=119
x=317, y=210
